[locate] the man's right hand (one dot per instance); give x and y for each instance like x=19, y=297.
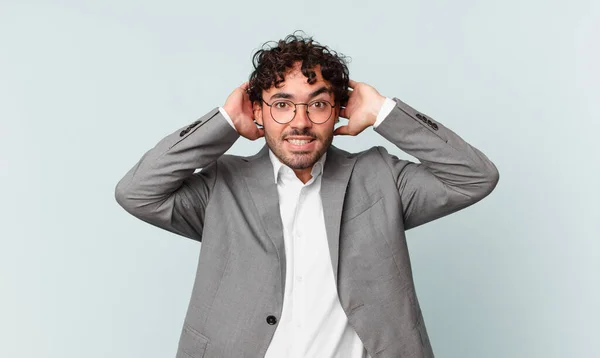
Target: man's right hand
x=239, y=108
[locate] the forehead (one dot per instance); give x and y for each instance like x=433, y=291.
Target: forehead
x=296, y=84
x=295, y=72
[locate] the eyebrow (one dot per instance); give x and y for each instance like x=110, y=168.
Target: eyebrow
x=286, y=95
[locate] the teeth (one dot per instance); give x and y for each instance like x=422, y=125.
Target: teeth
x=298, y=142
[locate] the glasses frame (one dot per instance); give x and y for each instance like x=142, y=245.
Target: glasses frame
x=296, y=108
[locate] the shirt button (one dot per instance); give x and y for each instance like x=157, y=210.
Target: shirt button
x=271, y=320
x=299, y=278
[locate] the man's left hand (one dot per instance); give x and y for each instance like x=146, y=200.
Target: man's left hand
x=361, y=110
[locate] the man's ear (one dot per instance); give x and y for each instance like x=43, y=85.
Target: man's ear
x=257, y=110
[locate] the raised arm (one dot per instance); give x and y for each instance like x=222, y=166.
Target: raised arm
x=162, y=189
x=451, y=174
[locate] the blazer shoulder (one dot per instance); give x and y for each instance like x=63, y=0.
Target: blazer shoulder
x=230, y=162
x=367, y=153
x=372, y=155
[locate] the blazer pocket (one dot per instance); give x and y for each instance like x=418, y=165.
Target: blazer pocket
x=355, y=210
x=193, y=343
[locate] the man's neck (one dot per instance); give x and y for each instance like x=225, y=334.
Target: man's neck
x=303, y=174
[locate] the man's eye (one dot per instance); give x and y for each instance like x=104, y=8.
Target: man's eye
x=281, y=105
x=319, y=104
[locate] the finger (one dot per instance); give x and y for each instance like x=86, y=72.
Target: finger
x=343, y=130
x=258, y=134
x=255, y=135
x=352, y=83
x=245, y=85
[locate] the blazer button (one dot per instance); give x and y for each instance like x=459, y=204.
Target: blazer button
x=183, y=132
x=195, y=124
x=271, y=320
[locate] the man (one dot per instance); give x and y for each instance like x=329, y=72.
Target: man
x=303, y=246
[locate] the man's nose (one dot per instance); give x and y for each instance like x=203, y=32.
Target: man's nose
x=301, y=119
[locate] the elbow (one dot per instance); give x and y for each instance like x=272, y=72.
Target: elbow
x=491, y=178
x=123, y=197
x=494, y=178
x=139, y=204
x=120, y=194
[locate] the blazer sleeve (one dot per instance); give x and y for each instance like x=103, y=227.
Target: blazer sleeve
x=162, y=189
x=451, y=174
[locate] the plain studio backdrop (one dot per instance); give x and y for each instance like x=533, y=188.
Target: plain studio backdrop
x=86, y=88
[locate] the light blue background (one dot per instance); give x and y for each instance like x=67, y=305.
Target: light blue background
x=87, y=87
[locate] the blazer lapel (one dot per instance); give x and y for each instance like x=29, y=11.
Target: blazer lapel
x=336, y=175
x=258, y=174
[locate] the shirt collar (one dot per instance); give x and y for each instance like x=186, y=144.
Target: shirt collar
x=281, y=169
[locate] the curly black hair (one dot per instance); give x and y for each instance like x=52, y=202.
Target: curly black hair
x=272, y=62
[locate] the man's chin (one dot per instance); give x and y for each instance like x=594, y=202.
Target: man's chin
x=295, y=158
x=299, y=153
x=300, y=160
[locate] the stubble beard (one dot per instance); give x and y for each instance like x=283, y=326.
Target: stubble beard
x=299, y=159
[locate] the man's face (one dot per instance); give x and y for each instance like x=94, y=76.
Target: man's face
x=300, y=143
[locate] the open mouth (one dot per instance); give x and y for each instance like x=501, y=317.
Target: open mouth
x=300, y=143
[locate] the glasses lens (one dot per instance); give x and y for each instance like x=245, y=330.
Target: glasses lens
x=282, y=111
x=319, y=111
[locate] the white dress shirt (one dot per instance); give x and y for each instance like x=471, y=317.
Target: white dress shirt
x=312, y=323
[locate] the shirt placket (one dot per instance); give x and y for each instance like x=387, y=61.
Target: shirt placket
x=299, y=284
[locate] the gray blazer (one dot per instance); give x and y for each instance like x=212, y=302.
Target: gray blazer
x=369, y=200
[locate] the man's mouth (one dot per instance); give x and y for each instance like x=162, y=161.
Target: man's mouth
x=300, y=142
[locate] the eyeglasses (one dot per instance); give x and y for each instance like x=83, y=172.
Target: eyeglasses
x=283, y=111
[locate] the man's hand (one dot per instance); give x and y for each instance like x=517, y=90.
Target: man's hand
x=362, y=108
x=239, y=108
